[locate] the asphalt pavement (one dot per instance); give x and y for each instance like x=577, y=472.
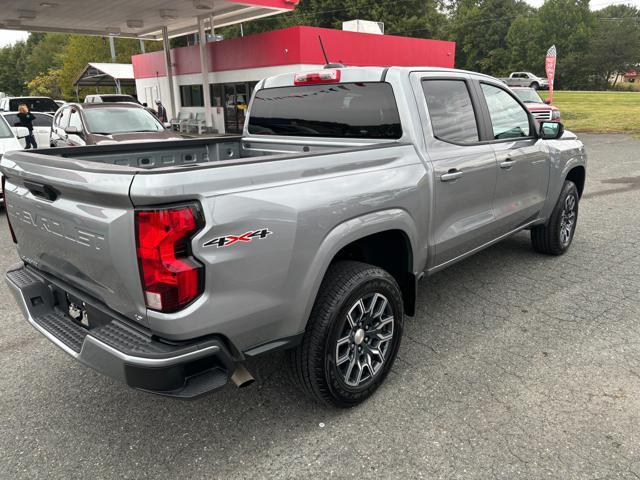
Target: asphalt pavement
x=517, y=366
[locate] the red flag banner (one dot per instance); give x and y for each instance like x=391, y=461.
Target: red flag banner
x=550, y=67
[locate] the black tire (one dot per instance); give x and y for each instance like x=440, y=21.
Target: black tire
x=535, y=85
x=550, y=238
x=315, y=361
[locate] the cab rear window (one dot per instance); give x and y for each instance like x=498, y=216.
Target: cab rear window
x=35, y=104
x=345, y=110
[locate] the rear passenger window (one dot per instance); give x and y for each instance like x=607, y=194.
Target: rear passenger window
x=452, y=115
x=508, y=118
x=42, y=120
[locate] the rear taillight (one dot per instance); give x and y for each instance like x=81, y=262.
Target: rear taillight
x=324, y=76
x=6, y=210
x=171, y=277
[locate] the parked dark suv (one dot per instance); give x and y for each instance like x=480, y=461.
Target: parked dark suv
x=78, y=124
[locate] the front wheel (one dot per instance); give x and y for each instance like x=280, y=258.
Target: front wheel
x=535, y=85
x=556, y=236
x=352, y=337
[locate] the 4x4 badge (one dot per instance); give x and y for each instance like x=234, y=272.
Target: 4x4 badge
x=236, y=239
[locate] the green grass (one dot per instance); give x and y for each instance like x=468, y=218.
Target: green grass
x=604, y=112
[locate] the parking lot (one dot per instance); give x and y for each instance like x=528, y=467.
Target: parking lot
x=517, y=366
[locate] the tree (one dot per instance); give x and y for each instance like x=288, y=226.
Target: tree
x=527, y=45
x=12, y=69
x=480, y=29
x=46, y=84
x=568, y=24
x=614, y=47
x=44, y=53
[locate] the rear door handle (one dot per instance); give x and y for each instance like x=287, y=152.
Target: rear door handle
x=508, y=163
x=452, y=175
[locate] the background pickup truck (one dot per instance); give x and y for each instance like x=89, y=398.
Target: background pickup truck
x=167, y=265
x=526, y=79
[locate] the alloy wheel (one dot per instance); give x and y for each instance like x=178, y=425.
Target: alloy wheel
x=365, y=339
x=568, y=220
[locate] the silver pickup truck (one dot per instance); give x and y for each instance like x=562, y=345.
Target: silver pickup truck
x=526, y=79
x=167, y=265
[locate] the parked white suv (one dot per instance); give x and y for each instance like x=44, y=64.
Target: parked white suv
x=35, y=104
x=41, y=127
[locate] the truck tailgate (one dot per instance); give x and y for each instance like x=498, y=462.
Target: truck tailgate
x=76, y=224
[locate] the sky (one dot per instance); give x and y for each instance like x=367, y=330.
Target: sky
x=8, y=37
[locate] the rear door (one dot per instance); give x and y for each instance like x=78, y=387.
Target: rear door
x=42, y=129
x=13, y=121
x=75, y=221
x=523, y=159
x=464, y=168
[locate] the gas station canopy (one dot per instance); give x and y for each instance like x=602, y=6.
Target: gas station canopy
x=143, y=19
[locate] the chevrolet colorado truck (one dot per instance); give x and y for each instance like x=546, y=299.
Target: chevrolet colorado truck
x=168, y=265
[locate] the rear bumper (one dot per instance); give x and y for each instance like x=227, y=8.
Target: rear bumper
x=117, y=348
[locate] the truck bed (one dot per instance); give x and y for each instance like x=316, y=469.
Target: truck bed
x=179, y=153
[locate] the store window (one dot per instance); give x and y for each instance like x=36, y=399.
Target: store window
x=234, y=99
x=191, y=96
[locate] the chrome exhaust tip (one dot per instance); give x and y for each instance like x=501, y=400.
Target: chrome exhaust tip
x=241, y=377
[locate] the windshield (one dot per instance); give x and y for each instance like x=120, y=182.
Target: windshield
x=5, y=131
x=528, y=95
x=107, y=121
x=345, y=110
x=42, y=104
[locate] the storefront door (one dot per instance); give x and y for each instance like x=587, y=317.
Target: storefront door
x=236, y=102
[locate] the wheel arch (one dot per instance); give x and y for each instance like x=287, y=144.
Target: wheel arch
x=358, y=234
x=577, y=175
x=390, y=250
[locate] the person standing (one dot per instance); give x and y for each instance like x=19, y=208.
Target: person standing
x=162, y=112
x=26, y=119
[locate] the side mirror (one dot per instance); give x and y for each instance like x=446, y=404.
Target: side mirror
x=551, y=130
x=547, y=101
x=72, y=130
x=22, y=132
x=167, y=125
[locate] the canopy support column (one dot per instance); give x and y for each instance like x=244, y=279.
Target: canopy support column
x=112, y=47
x=204, y=65
x=167, y=59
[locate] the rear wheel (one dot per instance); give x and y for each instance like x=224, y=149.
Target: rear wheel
x=556, y=236
x=352, y=337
